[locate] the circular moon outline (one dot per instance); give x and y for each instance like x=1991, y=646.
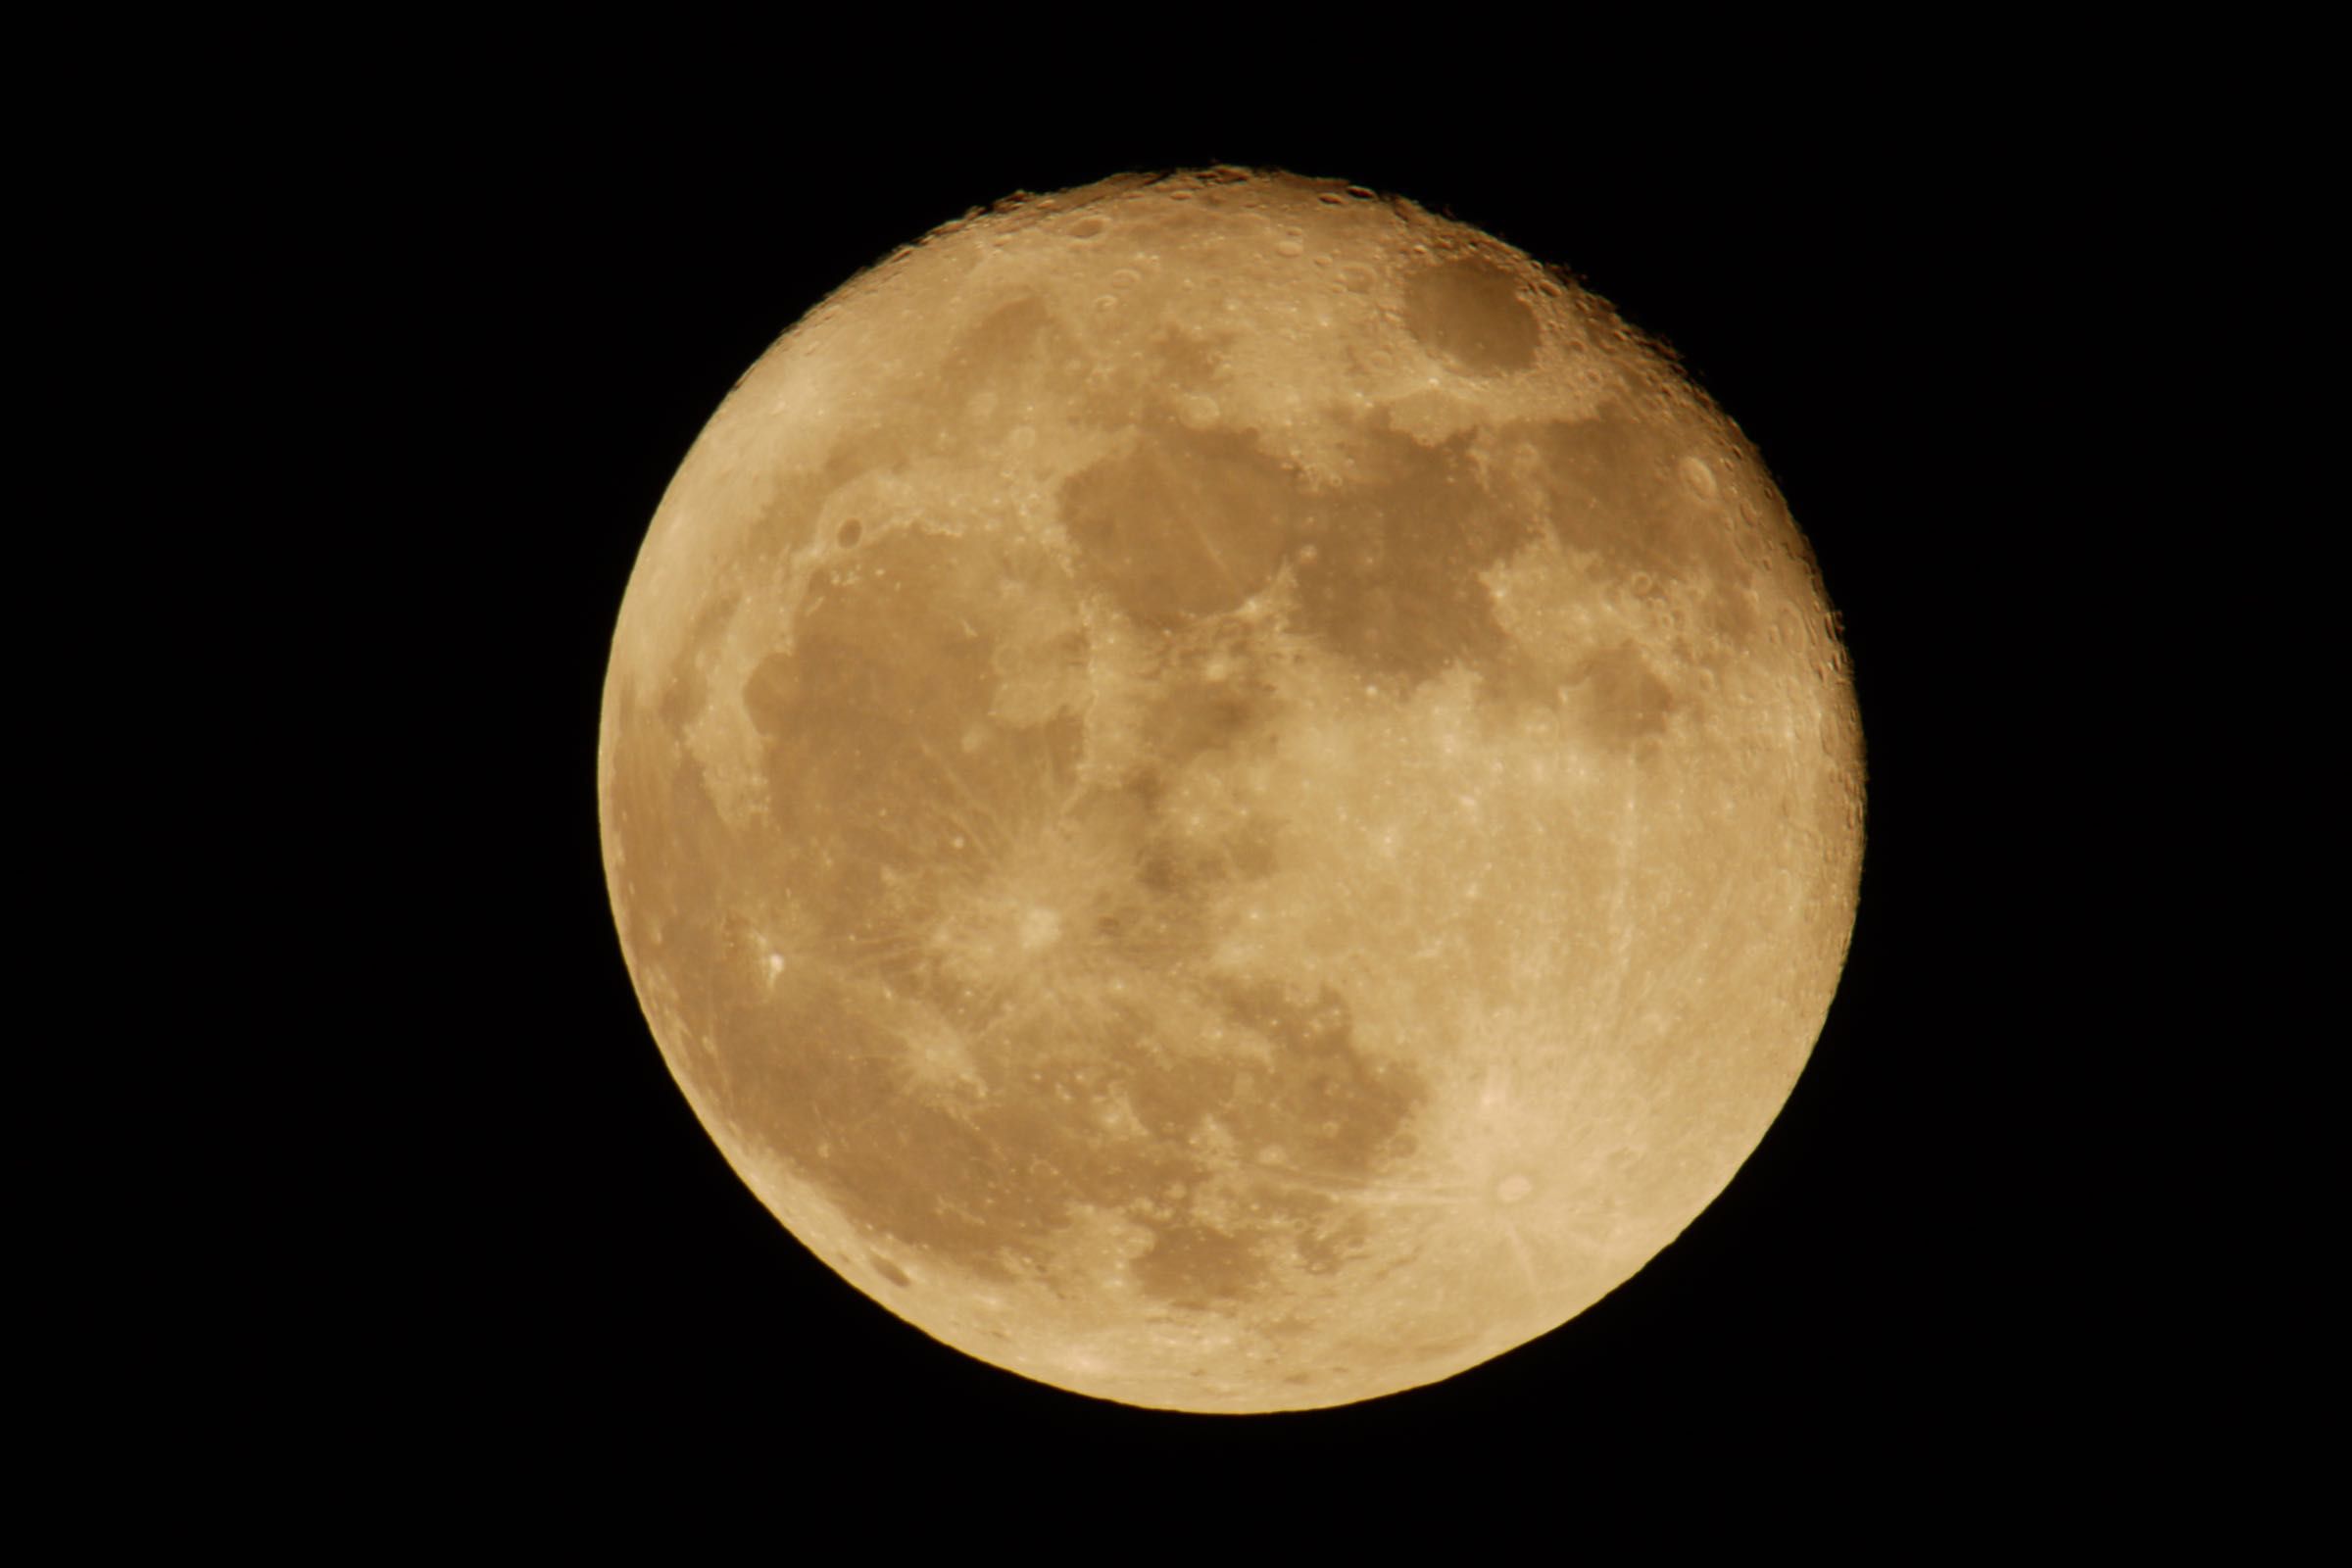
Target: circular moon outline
x=1227, y=793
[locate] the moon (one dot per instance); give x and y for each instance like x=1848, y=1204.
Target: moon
x=1227, y=793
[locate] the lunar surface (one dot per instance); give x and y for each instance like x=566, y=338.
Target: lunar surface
x=1227, y=793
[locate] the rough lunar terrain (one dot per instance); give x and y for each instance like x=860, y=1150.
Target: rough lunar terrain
x=1227, y=795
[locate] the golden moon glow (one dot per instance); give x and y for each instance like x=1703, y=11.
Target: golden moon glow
x=1227, y=793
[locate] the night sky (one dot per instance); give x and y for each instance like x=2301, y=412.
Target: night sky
x=519, y=1243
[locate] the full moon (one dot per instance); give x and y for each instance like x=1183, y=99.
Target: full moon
x=1228, y=794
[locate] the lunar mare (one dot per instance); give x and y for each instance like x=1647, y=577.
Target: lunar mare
x=1226, y=794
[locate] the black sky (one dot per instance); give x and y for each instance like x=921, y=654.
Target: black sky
x=523, y=1243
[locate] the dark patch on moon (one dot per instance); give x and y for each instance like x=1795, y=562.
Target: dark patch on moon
x=1189, y=524
x=1612, y=485
x=1621, y=697
x=880, y=756
x=1213, y=694
x=1183, y=360
x=812, y=1076
x=1190, y=1265
x=1192, y=715
x=1393, y=584
x=986, y=1182
x=999, y=347
x=1183, y=524
x=1469, y=313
